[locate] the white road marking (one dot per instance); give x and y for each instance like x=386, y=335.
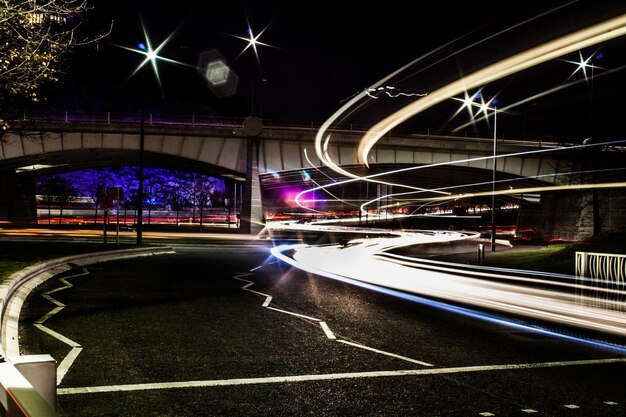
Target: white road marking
x=67, y=363
x=486, y=414
x=393, y=355
x=268, y=298
x=329, y=333
x=267, y=301
x=67, y=285
x=328, y=377
x=69, y=359
x=291, y=313
x=571, y=406
x=50, y=314
x=610, y=403
x=56, y=335
x=245, y=287
x=53, y=300
x=529, y=410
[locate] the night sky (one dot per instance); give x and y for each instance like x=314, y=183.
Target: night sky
x=325, y=52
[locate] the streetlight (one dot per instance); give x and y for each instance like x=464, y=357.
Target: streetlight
x=252, y=207
x=252, y=41
x=151, y=56
x=493, y=180
x=469, y=102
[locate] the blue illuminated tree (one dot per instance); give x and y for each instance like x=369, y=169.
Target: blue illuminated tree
x=163, y=188
x=57, y=190
x=202, y=187
x=175, y=193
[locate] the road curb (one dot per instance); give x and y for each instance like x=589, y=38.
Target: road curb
x=27, y=279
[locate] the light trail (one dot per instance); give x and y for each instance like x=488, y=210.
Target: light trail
x=322, y=139
x=595, y=34
x=601, y=32
x=354, y=178
x=477, y=184
x=386, y=90
x=535, y=97
x=531, y=190
x=496, y=290
x=492, y=291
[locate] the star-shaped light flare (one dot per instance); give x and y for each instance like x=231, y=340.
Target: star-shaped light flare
x=582, y=65
x=151, y=54
x=252, y=42
x=469, y=102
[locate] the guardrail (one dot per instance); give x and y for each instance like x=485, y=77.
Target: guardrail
x=18, y=395
x=601, y=279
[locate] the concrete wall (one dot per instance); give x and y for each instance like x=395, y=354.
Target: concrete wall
x=569, y=215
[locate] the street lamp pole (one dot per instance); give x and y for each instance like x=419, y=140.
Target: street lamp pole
x=493, y=182
x=141, y=163
x=151, y=55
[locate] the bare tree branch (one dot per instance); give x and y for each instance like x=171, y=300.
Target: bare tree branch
x=35, y=38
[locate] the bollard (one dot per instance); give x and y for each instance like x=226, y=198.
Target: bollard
x=481, y=254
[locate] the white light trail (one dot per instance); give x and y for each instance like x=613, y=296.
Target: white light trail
x=511, y=190
x=487, y=293
x=507, y=108
x=390, y=92
x=298, y=199
x=526, y=190
x=590, y=36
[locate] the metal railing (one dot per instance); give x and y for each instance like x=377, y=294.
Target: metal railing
x=208, y=120
x=601, y=279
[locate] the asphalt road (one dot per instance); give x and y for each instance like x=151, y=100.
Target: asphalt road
x=222, y=330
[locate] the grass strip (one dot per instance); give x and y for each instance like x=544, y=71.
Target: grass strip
x=16, y=255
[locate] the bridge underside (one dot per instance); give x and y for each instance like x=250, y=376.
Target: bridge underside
x=58, y=162
x=18, y=175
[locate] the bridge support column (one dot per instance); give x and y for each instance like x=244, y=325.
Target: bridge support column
x=252, y=219
x=17, y=198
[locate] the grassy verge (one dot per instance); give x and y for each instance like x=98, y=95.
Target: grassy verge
x=557, y=258
x=560, y=257
x=16, y=255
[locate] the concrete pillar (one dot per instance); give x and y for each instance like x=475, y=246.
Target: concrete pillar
x=17, y=198
x=252, y=219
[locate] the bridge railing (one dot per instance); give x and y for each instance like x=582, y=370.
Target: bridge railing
x=208, y=120
x=113, y=117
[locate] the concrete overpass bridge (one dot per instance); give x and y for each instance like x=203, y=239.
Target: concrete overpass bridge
x=247, y=153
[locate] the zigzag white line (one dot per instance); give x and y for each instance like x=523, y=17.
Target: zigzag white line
x=404, y=358
x=69, y=359
x=325, y=328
